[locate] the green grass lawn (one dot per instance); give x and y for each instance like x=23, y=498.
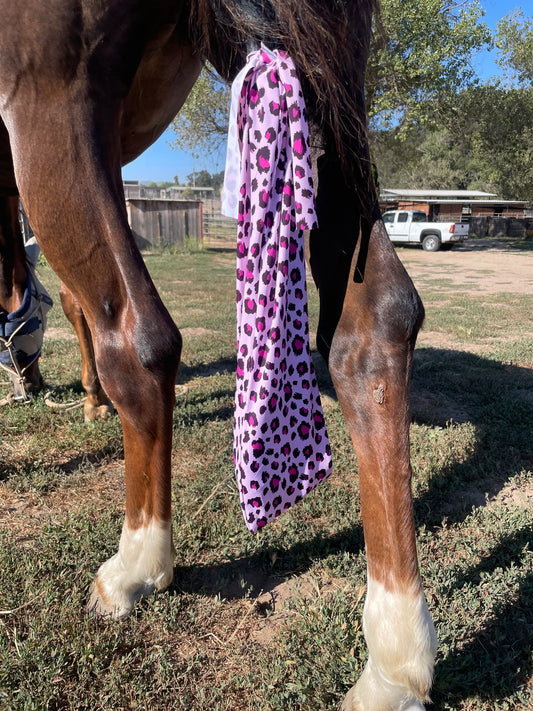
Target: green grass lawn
x=270, y=622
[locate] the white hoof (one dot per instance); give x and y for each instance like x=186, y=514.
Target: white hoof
x=143, y=564
x=402, y=645
x=374, y=693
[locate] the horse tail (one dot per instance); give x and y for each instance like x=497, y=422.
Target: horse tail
x=328, y=40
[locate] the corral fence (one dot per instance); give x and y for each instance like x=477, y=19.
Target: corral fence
x=184, y=224
x=219, y=231
x=501, y=227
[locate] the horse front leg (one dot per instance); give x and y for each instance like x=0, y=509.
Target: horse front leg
x=75, y=203
x=370, y=316
x=97, y=405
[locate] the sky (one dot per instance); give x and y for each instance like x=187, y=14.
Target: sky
x=161, y=163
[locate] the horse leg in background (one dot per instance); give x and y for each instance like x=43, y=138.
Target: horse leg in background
x=97, y=405
x=13, y=282
x=370, y=316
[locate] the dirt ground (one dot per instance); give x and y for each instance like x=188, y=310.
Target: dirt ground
x=489, y=266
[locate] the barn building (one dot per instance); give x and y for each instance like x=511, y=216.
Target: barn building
x=487, y=214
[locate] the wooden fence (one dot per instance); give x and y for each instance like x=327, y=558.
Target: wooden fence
x=165, y=223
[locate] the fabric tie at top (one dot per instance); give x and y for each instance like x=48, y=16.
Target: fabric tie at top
x=281, y=448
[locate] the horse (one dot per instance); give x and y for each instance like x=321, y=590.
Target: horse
x=85, y=87
x=18, y=282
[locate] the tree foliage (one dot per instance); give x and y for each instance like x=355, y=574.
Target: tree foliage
x=485, y=143
x=421, y=54
x=502, y=137
x=430, y=158
x=202, y=123
x=204, y=179
x=514, y=39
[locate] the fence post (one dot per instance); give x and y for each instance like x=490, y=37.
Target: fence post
x=201, y=225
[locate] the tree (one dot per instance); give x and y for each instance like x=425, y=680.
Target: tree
x=500, y=123
x=218, y=180
x=514, y=39
x=200, y=179
x=420, y=55
x=432, y=158
x=202, y=123
x=485, y=143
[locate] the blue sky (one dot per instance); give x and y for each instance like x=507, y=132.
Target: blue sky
x=160, y=162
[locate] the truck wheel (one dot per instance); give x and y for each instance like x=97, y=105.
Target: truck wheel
x=431, y=243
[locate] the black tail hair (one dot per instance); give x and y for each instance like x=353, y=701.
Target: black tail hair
x=328, y=40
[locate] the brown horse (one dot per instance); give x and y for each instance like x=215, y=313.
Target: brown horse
x=85, y=86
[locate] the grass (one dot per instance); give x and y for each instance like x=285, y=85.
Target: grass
x=270, y=622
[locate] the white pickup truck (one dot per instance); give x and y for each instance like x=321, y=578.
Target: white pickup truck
x=412, y=227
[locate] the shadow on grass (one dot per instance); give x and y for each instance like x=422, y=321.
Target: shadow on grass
x=253, y=575
x=219, y=249
x=42, y=473
x=496, y=663
x=43, y=477
x=224, y=366
x=458, y=387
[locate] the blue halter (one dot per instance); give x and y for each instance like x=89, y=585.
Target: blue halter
x=22, y=332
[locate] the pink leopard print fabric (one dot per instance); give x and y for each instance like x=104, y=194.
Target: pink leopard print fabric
x=281, y=447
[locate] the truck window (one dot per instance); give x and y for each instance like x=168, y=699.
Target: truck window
x=403, y=217
x=388, y=217
x=419, y=217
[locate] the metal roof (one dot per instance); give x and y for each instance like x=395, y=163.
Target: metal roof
x=426, y=201
x=437, y=194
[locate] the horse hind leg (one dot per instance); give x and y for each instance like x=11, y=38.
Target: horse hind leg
x=370, y=361
x=370, y=315
x=97, y=405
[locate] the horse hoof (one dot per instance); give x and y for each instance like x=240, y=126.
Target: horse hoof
x=98, y=605
x=100, y=412
x=353, y=702
x=349, y=703
x=143, y=565
x=110, y=595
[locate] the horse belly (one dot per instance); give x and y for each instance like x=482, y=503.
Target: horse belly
x=166, y=74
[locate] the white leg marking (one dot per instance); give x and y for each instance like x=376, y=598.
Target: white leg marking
x=402, y=644
x=144, y=563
